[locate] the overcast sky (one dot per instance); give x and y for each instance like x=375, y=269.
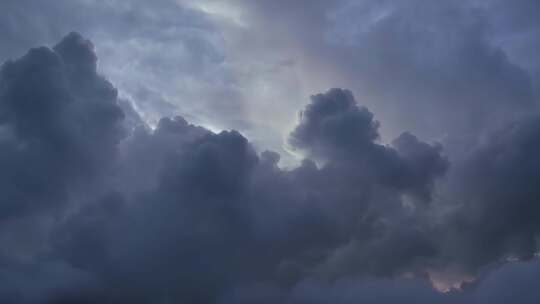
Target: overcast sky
x=250, y=151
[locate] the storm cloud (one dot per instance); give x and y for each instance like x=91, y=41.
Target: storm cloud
x=419, y=178
x=58, y=117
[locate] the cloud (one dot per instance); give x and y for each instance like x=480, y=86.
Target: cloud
x=179, y=213
x=436, y=69
x=511, y=282
x=166, y=48
x=494, y=187
x=334, y=128
x=60, y=122
x=183, y=213
x=444, y=72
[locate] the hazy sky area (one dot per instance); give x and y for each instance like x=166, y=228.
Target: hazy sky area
x=276, y=151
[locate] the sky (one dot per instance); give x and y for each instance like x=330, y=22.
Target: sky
x=250, y=151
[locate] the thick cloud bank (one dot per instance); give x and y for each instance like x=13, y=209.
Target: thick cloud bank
x=60, y=124
x=97, y=207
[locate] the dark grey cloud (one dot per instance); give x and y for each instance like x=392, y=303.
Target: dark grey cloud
x=182, y=213
x=46, y=282
x=458, y=72
x=335, y=129
x=512, y=282
x=219, y=215
x=333, y=123
x=516, y=30
x=495, y=189
x=105, y=201
x=60, y=123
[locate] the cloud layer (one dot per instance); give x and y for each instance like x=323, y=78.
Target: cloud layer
x=98, y=207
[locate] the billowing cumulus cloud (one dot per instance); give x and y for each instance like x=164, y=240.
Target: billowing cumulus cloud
x=335, y=129
x=111, y=197
x=186, y=211
x=60, y=124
